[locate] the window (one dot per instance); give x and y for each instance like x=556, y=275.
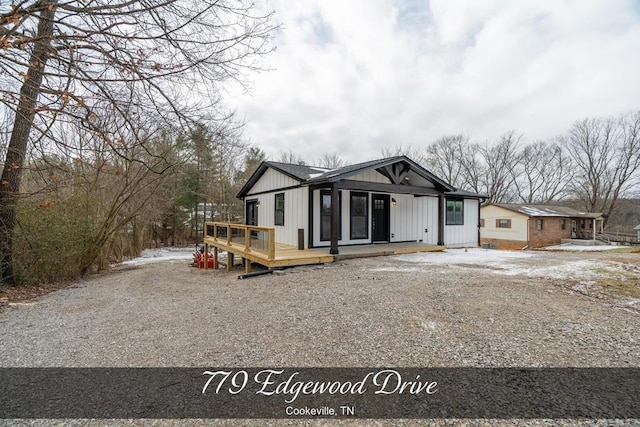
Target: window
x=481, y=222
x=455, y=212
x=325, y=215
x=539, y=224
x=359, y=204
x=503, y=223
x=563, y=224
x=279, y=209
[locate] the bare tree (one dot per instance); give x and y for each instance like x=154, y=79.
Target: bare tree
x=544, y=173
x=331, y=161
x=415, y=154
x=501, y=164
x=445, y=157
x=81, y=60
x=606, y=155
x=291, y=158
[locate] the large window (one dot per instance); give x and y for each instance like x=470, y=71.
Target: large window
x=325, y=215
x=455, y=212
x=359, y=215
x=279, y=209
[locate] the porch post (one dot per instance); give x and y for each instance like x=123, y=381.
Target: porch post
x=594, y=229
x=335, y=214
x=441, y=209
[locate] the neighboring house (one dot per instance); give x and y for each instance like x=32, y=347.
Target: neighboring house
x=518, y=226
x=637, y=227
x=387, y=200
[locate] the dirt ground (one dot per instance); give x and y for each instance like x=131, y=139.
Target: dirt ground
x=456, y=309
x=545, y=309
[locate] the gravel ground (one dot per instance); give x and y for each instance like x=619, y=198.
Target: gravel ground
x=375, y=312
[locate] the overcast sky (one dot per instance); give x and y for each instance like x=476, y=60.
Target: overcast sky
x=354, y=76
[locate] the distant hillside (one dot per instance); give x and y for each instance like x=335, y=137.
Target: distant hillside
x=625, y=216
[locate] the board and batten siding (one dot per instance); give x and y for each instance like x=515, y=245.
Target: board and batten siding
x=272, y=180
x=411, y=216
x=408, y=219
x=467, y=234
x=370, y=176
x=296, y=207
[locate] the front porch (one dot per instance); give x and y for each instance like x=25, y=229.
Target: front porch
x=257, y=245
x=383, y=249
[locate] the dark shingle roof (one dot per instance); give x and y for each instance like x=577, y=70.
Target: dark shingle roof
x=317, y=175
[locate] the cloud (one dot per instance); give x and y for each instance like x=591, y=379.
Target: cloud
x=353, y=77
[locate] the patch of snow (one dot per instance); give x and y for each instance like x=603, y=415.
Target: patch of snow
x=462, y=256
x=580, y=248
x=152, y=256
x=571, y=270
x=516, y=263
x=315, y=175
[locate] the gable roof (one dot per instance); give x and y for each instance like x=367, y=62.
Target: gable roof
x=317, y=175
x=637, y=227
x=533, y=210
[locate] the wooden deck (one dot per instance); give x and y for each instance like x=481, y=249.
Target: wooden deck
x=257, y=245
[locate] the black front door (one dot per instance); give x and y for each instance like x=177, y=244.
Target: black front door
x=380, y=217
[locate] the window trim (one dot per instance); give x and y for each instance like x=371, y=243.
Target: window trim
x=461, y=212
x=507, y=223
x=276, y=210
x=328, y=193
x=353, y=194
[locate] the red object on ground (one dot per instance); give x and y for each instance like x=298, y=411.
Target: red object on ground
x=198, y=260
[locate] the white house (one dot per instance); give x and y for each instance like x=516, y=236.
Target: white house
x=380, y=201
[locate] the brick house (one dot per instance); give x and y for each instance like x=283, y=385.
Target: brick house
x=521, y=226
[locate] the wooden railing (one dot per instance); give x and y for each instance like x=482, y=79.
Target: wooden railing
x=248, y=238
x=620, y=238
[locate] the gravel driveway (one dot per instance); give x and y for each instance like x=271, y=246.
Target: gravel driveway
x=389, y=311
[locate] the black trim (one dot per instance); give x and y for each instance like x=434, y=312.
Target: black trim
x=310, y=219
x=246, y=210
x=257, y=174
x=279, y=190
x=353, y=194
x=379, y=187
x=354, y=170
x=441, y=213
x=275, y=209
x=454, y=199
x=386, y=198
x=326, y=192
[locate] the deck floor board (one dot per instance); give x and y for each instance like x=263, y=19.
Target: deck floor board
x=287, y=256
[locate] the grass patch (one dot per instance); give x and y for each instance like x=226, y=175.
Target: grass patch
x=628, y=287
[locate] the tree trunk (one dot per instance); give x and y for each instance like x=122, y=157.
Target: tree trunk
x=16, y=152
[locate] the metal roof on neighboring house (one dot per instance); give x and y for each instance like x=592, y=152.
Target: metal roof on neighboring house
x=548, y=210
